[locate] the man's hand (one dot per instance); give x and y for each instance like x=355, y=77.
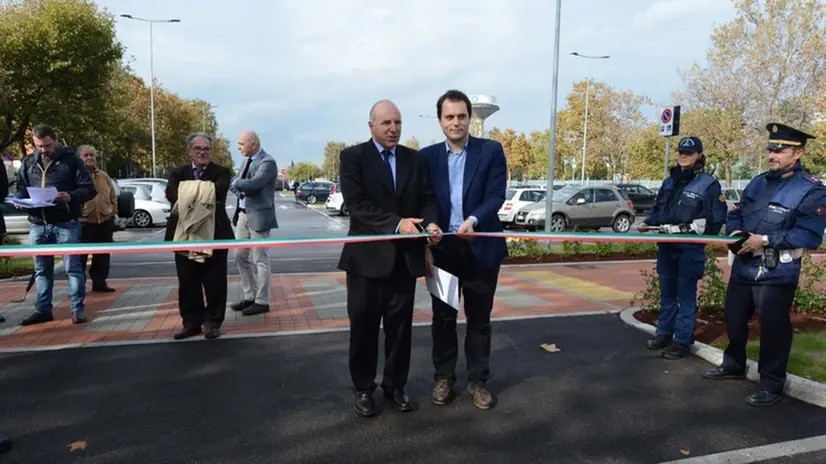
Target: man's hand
x=754, y=242
x=428, y=262
x=465, y=227
x=408, y=226
x=63, y=197
x=642, y=227
x=435, y=234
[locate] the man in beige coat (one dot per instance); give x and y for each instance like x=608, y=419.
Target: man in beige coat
x=98, y=219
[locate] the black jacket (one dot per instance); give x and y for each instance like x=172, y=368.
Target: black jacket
x=67, y=174
x=216, y=173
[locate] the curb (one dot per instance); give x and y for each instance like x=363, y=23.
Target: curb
x=797, y=387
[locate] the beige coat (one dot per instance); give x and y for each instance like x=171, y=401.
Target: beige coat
x=105, y=204
x=196, y=215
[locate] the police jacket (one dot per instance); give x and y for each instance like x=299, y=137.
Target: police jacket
x=790, y=209
x=686, y=196
x=66, y=173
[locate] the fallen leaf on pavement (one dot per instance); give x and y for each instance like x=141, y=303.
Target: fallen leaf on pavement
x=77, y=445
x=550, y=347
x=685, y=452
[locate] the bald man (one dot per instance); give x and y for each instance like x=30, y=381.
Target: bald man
x=386, y=190
x=254, y=218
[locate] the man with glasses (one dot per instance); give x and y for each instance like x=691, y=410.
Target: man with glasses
x=200, y=275
x=781, y=213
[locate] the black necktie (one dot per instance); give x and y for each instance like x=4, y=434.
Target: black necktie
x=387, y=154
x=244, y=174
x=199, y=172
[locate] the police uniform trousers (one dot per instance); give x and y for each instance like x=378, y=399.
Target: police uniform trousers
x=477, y=287
x=772, y=304
x=679, y=270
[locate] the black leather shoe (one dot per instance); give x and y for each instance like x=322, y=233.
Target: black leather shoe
x=103, y=288
x=256, y=308
x=212, y=333
x=241, y=305
x=677, y=351
x=399, y=400
x=78, y=317
x=763, y=398
x=37, y=318
x=658, y=342
x=187, y=332
x=723, y=373
x=364, y=405
x=5, y=445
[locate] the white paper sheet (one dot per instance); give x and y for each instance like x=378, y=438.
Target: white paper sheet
x=42, y=195
x=27, y=203
x=444, y=286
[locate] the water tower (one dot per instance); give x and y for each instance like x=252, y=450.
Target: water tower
x=483, y=106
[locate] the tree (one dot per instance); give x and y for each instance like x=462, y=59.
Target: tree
x=303, y=171
x=646, y=154
x=56, y=57
x=330, y=164
x=413, y=143
x=767, y=64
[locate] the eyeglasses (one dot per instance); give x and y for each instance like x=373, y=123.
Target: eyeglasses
x=201, y=148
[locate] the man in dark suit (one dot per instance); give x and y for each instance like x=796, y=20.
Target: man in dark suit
x=4, y=192
x=386, y=189
x=468, y=176
x=208, y=278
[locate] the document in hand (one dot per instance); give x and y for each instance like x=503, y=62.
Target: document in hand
x=444, y=286
x=28, y=203
x=38, y=198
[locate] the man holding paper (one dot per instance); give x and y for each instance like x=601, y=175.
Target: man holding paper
x=468, y=178
x=55, y=168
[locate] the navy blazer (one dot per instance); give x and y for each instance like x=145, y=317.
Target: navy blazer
x=485, y=182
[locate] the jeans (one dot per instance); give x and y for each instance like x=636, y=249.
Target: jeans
x=679, y=272
x=61, y=233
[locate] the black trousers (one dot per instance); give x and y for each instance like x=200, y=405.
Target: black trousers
x=197, y=280
x=772, y=303
x=369, y=303
x=98, y=233
x=477, y=286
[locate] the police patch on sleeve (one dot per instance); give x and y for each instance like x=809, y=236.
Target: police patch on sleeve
x=722, y=198
x=811, y=178
x=819, y=211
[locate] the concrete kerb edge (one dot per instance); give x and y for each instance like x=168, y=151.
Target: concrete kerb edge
x=796, y=387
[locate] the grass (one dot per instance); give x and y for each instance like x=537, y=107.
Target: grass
x=807, y=358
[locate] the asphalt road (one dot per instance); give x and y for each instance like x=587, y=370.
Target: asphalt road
x=603, y=398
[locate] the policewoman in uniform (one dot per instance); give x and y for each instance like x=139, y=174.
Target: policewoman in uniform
x=780, y=214
x=690, y=201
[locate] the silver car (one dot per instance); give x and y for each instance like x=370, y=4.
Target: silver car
x=583, y=207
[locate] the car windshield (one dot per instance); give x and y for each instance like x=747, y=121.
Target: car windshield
x=564, y=193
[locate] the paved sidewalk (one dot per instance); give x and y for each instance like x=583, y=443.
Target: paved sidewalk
x=146, y=309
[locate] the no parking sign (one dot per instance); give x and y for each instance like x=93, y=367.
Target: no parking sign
x=670, y=121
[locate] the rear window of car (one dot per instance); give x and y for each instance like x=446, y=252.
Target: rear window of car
x=509, y=194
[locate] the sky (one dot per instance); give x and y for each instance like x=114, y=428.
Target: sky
x=301, y=73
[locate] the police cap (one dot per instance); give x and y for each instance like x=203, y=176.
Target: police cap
x=690, y=145
x=782, y=136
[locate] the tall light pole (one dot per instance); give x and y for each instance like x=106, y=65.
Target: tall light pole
x=587, y=97
x=549, y=196
x=151, y=75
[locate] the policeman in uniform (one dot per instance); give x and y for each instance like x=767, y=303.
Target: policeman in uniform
x=781, y=213
x=690, y=201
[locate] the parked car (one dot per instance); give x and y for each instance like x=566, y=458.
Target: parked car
x=644, y=199
x=335, y=204
x=583, y=207
x=516, y=199
x=148, y=212
x=156, y=187
x=313, y=192
x=732, y=197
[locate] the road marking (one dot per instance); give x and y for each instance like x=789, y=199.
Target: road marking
x=335, y=220
x=577, y=286
x=759, y=453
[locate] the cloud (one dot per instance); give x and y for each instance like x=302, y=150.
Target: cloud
x=669, y=12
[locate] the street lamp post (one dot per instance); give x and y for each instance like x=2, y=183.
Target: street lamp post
x=549, y=196
x=151, y=75
x=587, y=97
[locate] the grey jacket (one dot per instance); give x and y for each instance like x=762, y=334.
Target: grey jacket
x=258, y=188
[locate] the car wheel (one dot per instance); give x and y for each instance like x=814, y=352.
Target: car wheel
x=311, y=200
x=344, y=211
x=557, y=223
x=142, y=219
x=622, y=223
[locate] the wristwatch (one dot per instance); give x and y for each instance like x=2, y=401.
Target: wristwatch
x=765, y=240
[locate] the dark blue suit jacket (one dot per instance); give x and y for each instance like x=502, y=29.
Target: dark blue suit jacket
x=485, y=182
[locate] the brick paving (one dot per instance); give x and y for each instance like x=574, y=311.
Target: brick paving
x=146, y=309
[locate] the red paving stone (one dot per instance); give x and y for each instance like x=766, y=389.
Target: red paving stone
x=292, y=306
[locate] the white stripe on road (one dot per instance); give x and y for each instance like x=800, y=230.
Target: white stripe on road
x=759, y=453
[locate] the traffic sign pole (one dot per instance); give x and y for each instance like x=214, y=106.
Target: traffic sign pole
x=667, y=150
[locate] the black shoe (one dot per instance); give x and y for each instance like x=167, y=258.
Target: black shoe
x=187, y=332
x=2, y=319
x=724, y=373
x=5, y=444
x=677, y=351
x=364, y=405
x=37, y=318
x=763, y=398
x=658, y=342
x=102, y=288
x=78, y=317
x=256, y=308
x=399, y=400
x=241, y=305
x=212, y=333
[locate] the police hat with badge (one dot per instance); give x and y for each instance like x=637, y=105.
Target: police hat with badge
x=690, y=145
x=782, y=136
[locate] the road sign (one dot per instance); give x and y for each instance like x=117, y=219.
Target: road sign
x=670, y=121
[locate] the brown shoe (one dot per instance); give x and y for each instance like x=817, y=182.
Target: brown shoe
x=482, y=398
x=212, y=333
x=442, y=392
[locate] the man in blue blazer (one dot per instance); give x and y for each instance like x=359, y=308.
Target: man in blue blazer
x=468, y=176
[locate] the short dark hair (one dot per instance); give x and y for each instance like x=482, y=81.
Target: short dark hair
x=42, y=130
x=455, y=96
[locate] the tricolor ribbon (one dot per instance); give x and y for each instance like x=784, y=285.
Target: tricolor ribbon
x=155, y=247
